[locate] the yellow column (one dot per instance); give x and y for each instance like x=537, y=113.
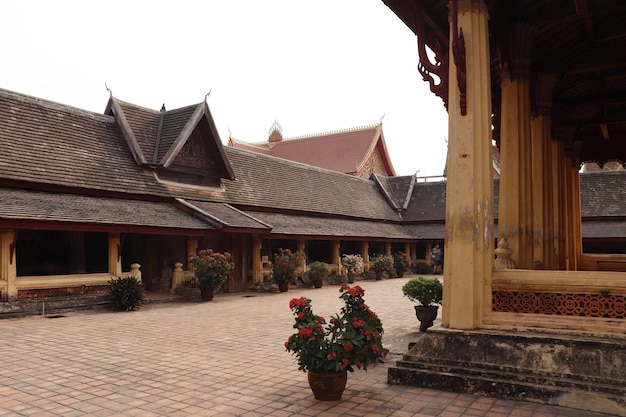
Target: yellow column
x=516, y=203
x=469, y=245
x=337, y=256
x=558, y=199
x=302, y=249
x=365, y=254
x=388, y=248
x=407, y=250
x=115, y=255
x=8, y=263
x=541, y=178
x=257, y=266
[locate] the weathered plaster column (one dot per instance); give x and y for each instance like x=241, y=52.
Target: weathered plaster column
x=573, y=221
x=337, y=255
x=388, y=248
x=516, y=199
x=192, y=248
x=8, y=263
x=558, y=198
x=469, y=243
x=407, y=250
x=365, y=254
x=301, y=247
x=542, y=213
x=115, y=255
x=257, y=265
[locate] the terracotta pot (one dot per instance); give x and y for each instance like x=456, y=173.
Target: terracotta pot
x=283, y=286
x=400, y=274
x=379, y=274
x=426, y=316
x=328, y=386
x=207, y=295
x=351, y=277
x=318, y=283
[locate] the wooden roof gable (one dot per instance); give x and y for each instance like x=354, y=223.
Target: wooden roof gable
x=176, y=139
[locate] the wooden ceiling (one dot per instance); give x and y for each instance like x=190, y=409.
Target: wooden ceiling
x=580, y=43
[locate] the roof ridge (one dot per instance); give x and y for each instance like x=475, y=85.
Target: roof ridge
x=333, y=132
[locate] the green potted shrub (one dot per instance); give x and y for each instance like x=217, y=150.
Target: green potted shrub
x=382, y=263
x=353, y=264
x=319, y=271
x=428, y=292
x=401, y=263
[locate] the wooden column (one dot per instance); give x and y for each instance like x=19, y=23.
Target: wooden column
x=516, y=199
x=365, y=254
x=8, y=263
x=115, y=255
x=388, y=248
x=469, y=245
x=573, y=221
x=543, y=207
x=257, y=265
x=301, y=247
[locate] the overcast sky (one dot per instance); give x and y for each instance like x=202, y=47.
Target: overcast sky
x=313, y=66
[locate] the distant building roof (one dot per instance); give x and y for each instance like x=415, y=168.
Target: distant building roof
x=360, y=151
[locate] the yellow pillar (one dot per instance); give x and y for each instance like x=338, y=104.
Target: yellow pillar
x=257, y=265
x=365, y=254
x=541, y=168
x=337, y=256
x=469, y=245
x=115, y=255
x=516, y=203
x=301, y=247
x=8, y=263
x=192, y=248
x=388, y=248
x=558, y=199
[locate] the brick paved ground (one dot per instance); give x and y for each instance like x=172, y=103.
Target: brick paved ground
x=221, y=358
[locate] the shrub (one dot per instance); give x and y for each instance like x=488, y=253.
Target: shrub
x=382, y=263
x=319, y=270
x=426, y=291
x=126, y=293
x=401, y=261
x=423, y=268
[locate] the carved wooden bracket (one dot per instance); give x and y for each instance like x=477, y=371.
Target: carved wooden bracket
x=425, y=67
x=458, y=50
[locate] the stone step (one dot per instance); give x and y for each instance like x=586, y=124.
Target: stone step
x=517, y=376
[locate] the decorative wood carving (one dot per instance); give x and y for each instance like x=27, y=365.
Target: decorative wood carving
x=458, y=50
x=562, y=304
x=425, y=67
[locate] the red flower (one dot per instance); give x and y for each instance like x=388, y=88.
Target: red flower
x=348, y=347
x=305, y=333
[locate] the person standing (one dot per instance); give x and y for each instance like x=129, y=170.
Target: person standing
x=437, y=256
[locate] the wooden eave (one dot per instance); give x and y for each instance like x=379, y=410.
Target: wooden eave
x=579, y=42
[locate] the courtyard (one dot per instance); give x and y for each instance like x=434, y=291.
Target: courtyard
x=220, y=358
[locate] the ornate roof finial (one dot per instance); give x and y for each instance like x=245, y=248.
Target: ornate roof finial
x=276, y=132
x=163, y=107
x=109, y=90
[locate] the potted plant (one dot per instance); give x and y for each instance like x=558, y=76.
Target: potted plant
x=327, y=351
x=428, y=292
x=319, y=271
x=382, y=263
x=353, y=264
x=285, y=266
x=211, y=270
x=401, y=263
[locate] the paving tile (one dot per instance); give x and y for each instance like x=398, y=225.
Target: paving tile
x=222, y=358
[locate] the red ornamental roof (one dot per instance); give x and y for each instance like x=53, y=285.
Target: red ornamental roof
x=346, y=151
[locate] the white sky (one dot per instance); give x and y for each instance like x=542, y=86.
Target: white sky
x=314, y=66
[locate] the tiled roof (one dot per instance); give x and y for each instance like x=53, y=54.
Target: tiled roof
x=264, y=181
x=342, y=151
x=285, y=224
x=49, y=143
x=52, y=207
x=604, y=229
x=226, y=215
x=603, y=194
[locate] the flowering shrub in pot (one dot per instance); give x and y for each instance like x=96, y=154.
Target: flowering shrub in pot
x=211, y=268
x=285, y=266
x=350, y=339
x=401, y=263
